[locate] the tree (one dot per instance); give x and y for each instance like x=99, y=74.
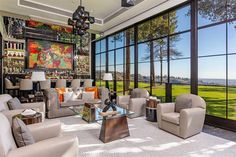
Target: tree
x=158, y=27
x=217, y=10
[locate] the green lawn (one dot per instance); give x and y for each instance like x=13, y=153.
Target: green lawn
x=215, y=96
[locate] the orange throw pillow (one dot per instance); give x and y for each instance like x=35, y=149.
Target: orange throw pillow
x=60, y=92
x=93, y=89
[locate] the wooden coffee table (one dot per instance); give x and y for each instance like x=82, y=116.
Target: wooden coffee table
x=37, y=118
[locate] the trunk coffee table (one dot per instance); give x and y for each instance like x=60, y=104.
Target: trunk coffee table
x=114, y=124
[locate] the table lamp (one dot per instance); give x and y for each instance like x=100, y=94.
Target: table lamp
x=107, y=77
x=38, y=76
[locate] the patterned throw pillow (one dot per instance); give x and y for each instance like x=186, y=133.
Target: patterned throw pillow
x=93, y=89
x=21, y=133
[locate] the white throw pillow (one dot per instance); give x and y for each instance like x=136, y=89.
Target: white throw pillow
x=88, y=96
x=67, y=96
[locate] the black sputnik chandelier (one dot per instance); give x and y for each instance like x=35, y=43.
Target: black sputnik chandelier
x=81, y=20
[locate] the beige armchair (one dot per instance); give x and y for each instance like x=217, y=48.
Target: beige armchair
x=48, y=141
x=39, y=107
x=188, y=122
x=135, y=102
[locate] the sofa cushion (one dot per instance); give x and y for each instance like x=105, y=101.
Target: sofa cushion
x=93, y=89
x=67, y=96
x=14, y=104
x=182, y=102
x=88, y=96
x=22, y=135
x=171, y=117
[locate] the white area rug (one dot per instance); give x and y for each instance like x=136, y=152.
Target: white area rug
x=145, y=140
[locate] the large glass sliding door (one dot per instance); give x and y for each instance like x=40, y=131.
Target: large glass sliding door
x=216, y=44
x=157, y=52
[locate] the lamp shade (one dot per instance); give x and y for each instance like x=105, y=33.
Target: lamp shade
x=38, y=76
x=107, y=77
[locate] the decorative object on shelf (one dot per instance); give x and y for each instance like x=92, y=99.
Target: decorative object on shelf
x=14, y=27
x=14, y=57
x=109, y=105
x=81, y=20
x=37, y=77
x=107, y=77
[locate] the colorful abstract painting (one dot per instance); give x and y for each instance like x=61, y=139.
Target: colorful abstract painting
x=50, y=55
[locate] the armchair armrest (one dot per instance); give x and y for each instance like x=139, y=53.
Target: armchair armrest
x=191, y=121
x=39, y=106
x=45, y=130
x=123, y=100
x=164, y=108
x=59, y=147
x=137, y=105
x=10, y=113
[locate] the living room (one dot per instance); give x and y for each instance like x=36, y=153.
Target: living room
x=117, y=78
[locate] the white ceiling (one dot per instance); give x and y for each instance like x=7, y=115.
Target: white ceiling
x=103, y=10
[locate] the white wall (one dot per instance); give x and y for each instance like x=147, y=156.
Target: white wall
x=151, y=12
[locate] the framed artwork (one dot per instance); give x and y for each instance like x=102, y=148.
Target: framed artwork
x=50, y=55
x=82, y=65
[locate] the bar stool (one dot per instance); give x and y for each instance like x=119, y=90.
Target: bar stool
x=45, y=84
x=26, y=87
x=61, y=83
x=88, y=83
x=10, y=87
x=75, y=83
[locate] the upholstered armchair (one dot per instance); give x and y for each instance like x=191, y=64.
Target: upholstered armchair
x=4, y=98
x=48, y=141
x=135, y=102
x=183, y=118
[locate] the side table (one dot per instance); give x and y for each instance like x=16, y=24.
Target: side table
x=151, y=109
x=37, y=118
x=88, y=112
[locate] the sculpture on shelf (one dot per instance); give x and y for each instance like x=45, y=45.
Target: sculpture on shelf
x=109, y=105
